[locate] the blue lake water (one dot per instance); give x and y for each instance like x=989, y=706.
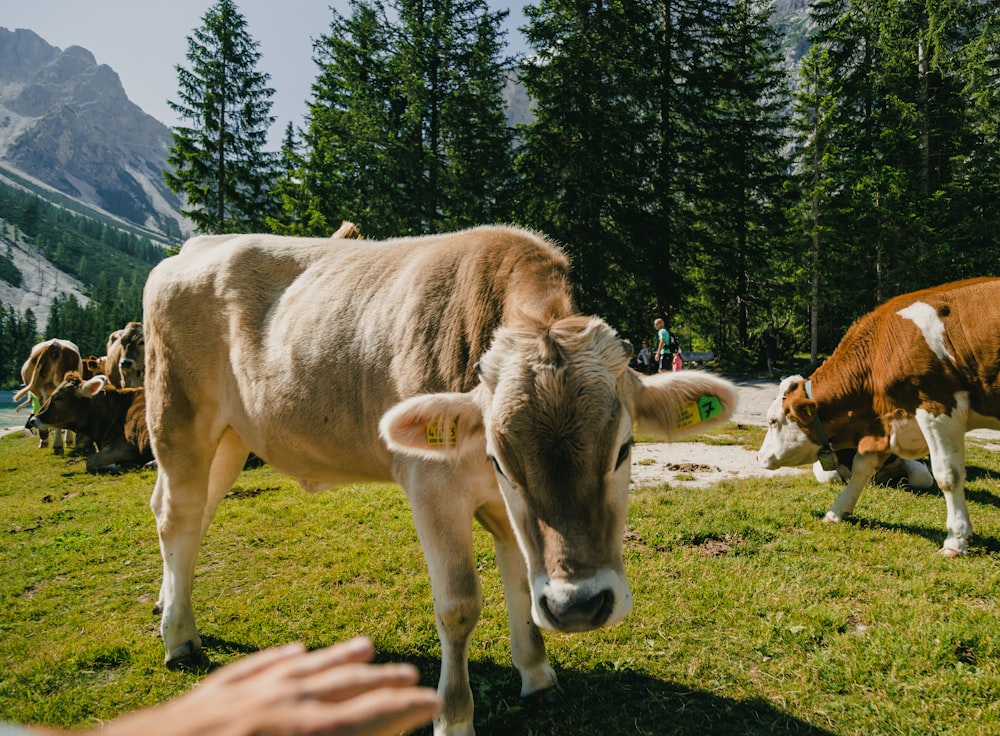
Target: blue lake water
x=9, y=417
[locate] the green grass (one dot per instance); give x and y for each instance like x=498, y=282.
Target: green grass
x=751, y=616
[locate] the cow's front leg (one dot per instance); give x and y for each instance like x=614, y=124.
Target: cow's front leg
x=945, y=436
x=444, y=526
x=179, y=509
x=57, y=441
x=862, y=470
x=527, y=647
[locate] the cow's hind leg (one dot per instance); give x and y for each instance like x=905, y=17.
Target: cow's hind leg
x=230, y=457
x=945, y=436
x=179, y=501
x=527, y=647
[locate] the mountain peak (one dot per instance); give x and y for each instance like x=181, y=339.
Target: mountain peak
x=66, y=121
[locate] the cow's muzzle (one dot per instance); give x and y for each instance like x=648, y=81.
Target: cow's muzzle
x=578, y=613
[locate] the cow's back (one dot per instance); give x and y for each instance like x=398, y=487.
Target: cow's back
x=932, y=342
x=300, y=345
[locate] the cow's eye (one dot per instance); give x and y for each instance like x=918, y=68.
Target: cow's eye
x=497, y=468
x=623, y=452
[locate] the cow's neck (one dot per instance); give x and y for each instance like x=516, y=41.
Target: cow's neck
x=839, y=405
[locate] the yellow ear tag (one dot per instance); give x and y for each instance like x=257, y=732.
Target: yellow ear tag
x=696, y=412
x=438, y=435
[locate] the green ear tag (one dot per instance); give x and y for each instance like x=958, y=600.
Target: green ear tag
x=696, y=412
x=708, y=407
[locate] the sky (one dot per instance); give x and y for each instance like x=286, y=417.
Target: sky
x=144, y=40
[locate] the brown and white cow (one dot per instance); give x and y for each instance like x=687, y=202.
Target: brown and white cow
x=42, y=372
x=114, y=419
x=910, y=378
x=126, y=356
x=499, y=403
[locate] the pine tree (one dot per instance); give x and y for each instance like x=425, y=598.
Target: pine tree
x=406, y=131
x=609, y=164
x=899, y=213
x=741, y=177
x=219, y=163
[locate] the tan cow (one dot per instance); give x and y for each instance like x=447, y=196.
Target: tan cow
x=126, y=356
x=910, y=378
x=499, y=403
x=94, y=366
x=42, y=372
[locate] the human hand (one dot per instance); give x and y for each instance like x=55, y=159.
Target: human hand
x=289, y=690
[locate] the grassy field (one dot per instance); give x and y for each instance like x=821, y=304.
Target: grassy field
x=751, y=616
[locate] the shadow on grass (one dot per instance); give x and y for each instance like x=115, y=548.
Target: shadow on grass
x=604, y=702
x=599, y=702
x=936, y=535
x=204, y=663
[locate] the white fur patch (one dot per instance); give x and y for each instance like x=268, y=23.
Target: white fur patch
x=925, y=317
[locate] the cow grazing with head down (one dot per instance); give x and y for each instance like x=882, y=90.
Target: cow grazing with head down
x=44, y=369
x=114, y=419
x=499, y=403
x=126, y=356
x=910, y=378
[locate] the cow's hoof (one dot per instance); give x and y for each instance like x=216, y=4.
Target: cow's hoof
x=187, y=656
x=549, y=697
x=57, y=451
x=952, y=553
x=831, y=518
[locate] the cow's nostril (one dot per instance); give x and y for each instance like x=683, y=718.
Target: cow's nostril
x=581, y=613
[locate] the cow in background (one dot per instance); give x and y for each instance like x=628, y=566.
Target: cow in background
x=500, y=403
x=115, y=419
x=348, y=231
x=909, y=378
x=126, y=356
x=94, y=366
x=41, y=373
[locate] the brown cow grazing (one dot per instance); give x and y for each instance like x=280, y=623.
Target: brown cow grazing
x=910, y=378
x=115, y=419
x=44, y=369
x=500, y=403
x=126, y=356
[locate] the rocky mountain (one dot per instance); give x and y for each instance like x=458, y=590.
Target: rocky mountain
x=66, y=122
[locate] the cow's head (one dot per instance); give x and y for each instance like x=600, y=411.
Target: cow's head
x=67, y=406
x=789, y=440
x=554, y=414
x=133, y=355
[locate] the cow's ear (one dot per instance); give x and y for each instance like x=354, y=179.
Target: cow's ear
x=672, y=405
x=93, y=386
x=802, y=410
x=435, y=426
